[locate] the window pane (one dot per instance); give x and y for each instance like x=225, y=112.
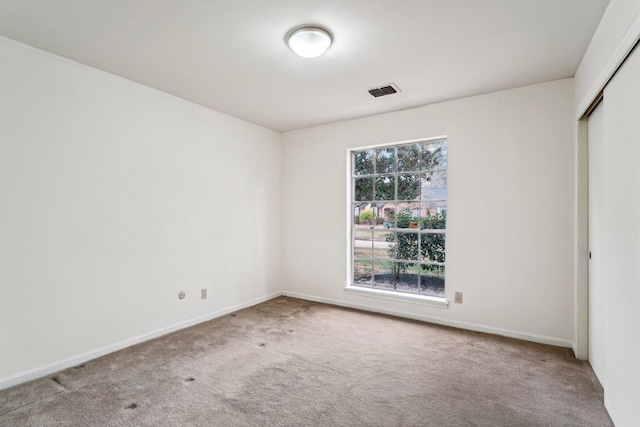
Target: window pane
x=363, y=190
x=409, y=187
x=434, y=186
x=406, y=217
x=434, y=155
x=409, y=158
x=362, y=244
x=408, y=277
x=388, y=214
x=383, y=244
x=365, y=218
x=363, y=232
x=432, y=280
x=432, y=247
x=385, y=160
x=433, y=217
x=363, y=162
x=362, y=272
x=379, y=211
x=406, y=246
x=435, y=205
x=383, y=274
x=358, y=209
x=385, y=187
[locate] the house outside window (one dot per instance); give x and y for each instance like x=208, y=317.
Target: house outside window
x=399, y=201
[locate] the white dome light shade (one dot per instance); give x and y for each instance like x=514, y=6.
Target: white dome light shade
x=309, y=42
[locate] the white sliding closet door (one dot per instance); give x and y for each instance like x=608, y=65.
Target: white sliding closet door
x=621, y=243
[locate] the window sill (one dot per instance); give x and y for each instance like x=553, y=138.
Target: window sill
x=398, y=296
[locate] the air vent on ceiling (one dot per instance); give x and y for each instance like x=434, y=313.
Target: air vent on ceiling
x=389, y=89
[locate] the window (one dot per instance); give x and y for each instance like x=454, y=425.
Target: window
x=398, y=226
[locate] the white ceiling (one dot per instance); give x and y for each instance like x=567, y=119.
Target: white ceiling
x=230, y=55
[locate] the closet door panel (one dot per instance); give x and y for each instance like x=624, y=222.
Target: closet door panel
x=621, y=210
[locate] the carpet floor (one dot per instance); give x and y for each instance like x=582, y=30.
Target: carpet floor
x=289, y=362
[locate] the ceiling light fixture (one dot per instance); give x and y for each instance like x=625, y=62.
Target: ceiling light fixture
x=309, y=42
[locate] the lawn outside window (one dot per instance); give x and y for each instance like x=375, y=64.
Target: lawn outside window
x=398, y=211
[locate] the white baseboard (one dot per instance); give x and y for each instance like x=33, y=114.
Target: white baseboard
x=445, y=322
x=43, y=371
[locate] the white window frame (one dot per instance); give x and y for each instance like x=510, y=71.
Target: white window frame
x=393, y=295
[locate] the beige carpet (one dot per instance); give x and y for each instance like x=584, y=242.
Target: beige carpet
x=289, y=362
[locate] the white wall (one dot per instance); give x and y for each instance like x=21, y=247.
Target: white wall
x=113, y=198
x=509, y=218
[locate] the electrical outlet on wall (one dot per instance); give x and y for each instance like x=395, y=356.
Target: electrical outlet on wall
x=457, y=298
x=203, y=293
